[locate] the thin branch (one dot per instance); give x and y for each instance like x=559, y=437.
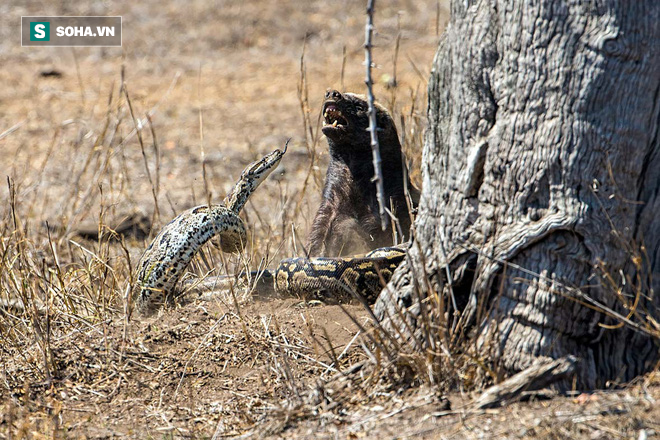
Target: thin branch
x=375, y=148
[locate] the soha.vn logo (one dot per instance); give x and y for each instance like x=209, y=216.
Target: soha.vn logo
x=70, y=31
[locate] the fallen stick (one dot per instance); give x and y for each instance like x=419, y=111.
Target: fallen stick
x=533, y=378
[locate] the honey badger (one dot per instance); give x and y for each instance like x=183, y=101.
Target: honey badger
x=347, y=222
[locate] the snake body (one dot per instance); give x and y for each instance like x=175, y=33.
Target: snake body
x=165, y=259
x=339, y=279
x=168, y=255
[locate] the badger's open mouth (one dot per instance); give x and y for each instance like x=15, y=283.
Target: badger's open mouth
x=332, y=116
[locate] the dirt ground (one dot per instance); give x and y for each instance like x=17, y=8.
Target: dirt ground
x=207, y=88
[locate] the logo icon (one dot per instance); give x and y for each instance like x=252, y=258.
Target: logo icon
x=39, y=31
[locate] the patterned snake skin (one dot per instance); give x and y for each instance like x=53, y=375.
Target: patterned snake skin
x=339, y=279
x=168, y=255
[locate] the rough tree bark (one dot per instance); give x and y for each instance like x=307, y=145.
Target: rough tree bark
x=542, y=157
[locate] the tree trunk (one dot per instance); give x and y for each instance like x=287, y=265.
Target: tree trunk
x=541, y=186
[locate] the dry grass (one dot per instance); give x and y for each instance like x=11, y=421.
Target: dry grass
x=168, y=122
x=165, y=123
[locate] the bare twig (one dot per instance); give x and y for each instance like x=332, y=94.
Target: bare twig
x=80, y=81
x=375, y=148
x=12, y=129
x=343, y=67
x=138, y=127
x=207, y=191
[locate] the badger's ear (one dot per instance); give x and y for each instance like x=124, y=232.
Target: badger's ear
x=384, y=120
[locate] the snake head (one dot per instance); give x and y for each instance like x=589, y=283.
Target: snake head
x=259, y=170
x=251, y=178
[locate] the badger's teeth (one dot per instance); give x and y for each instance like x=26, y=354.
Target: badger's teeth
x=334, y=124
